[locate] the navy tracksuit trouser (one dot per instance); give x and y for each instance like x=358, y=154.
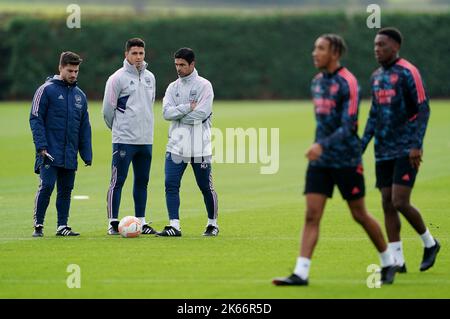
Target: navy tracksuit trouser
x=174, y=170
x=123, y=155
x=48, y=176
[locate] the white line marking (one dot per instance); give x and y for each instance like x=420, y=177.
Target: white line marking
x=80, y=197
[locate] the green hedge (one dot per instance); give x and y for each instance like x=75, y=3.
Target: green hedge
x=245, y=57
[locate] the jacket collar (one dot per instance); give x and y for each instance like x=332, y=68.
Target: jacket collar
x=189, y=77
x=388, y=66
x=330, y=75
x=132, y=69
x=57, y=80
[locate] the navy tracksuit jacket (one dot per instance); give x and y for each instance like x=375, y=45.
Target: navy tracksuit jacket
x=59, y=123
x=336, y=100
x=399, y=113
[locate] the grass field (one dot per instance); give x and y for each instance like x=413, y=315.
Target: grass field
x=260, y=220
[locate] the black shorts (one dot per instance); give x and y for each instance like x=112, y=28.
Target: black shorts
x=349, y=180
x=397, y=171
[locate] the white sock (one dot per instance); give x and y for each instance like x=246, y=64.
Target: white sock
x=396, y=250
x=302, y=267
x=428, y=240
x=212, y=222
x=386, y=258
x=60, y=227
x=142, y=219
x=175, y=223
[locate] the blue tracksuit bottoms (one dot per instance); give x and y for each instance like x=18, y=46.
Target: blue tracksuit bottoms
x=174, y=170
x=48, y=176
x=122, y=156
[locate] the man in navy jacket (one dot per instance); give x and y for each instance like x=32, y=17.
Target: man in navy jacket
x=60, y=126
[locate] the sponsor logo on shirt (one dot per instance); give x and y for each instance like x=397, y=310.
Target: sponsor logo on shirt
x=324, y=106
x=385, y=96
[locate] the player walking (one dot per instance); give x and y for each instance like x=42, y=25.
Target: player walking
x=398, y=119
x=335, y=158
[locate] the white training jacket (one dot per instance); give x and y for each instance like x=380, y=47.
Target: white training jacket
x=190, y=130
x=128, y=105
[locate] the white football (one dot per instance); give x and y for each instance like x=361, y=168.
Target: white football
x=130, y=226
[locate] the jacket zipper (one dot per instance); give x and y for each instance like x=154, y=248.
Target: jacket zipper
x=67, y=124
x=139, y=99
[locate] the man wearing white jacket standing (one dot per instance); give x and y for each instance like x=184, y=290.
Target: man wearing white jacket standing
x=188, y=105
x=128, y=112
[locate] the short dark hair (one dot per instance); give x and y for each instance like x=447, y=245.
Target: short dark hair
x=337, y=43
x=134, y=42
x=71, y=58
x=185, y=53
x=392, y=33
